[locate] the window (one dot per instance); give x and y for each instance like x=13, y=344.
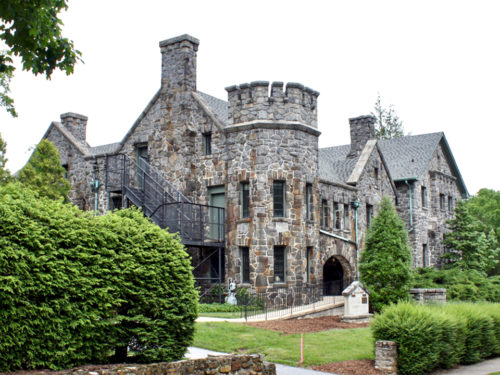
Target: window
x=245, y=264
x=279, y=264
x=66, y=171
x=309, y=269
x=424, y=255
x=369, y=215
x=325, y=215
x=309, y=202
x=245, y=199
x=424, y=196
x=442, y=201
x=279, y=198
x=450, y=204
x=375, y=173
x=207, y=143
x=347, y=221
x=336, y=209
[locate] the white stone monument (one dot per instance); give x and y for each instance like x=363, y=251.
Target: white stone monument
x=231, y=298
x=356, y=303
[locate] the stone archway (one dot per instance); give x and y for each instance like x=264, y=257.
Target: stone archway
x=333, y=277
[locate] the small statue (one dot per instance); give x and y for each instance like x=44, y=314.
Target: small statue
x=231, y=298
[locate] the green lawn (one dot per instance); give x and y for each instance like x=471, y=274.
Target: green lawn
x=319, y=347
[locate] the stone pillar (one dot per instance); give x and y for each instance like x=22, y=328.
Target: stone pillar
x=386, y=357
x=76, y=124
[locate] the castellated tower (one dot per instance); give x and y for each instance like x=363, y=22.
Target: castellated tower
x=272, y=187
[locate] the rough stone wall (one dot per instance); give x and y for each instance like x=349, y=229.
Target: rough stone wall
x=437, y=295
x=362, y=129
x=386, y=357
x=76, y=124
x=79, y=169
x=429, y=223
x=213, y=365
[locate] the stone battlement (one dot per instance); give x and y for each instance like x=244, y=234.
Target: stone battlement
x=254, y=101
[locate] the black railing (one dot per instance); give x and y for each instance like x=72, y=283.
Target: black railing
x=145, y=187
x=276, y=303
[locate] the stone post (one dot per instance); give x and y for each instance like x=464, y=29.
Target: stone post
x=386, y=357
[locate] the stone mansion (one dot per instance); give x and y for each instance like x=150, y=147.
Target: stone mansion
x=243, y=181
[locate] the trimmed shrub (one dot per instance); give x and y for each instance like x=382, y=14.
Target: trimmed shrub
x=218, y=307
x=414, y=328
x=432, y=336
x=75, y=289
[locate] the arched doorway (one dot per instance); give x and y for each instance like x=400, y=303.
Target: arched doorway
x=333, y=277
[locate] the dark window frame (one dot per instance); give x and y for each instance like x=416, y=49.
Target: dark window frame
x=309, y=202
x=309, y=270
x=279, y=198
x=245, y=199
x=279, y=253
x=347, y=217
x=325, y=214
x=423, y=192
x=369, y=215
x=338, y=220
x=245, y=264
x=207, y=143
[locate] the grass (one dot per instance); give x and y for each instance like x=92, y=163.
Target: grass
x=225, y=315
x=319, y=347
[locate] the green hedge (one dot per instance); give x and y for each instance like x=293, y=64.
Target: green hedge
x=434, y=336
x=75, y=289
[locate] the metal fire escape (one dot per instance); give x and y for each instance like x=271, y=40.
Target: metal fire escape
x=199, y=226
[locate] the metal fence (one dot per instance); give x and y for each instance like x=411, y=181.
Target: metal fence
x=279, y=302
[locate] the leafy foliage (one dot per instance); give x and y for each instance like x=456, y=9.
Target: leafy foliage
x=388, y=123
x=385, y=264
x=4, y=172
x=470, y=285
x=435, y=336
x=75, y=289
x=32, y=31
x=44, y=173
x=471, y=249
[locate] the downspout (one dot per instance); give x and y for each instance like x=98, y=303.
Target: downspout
x=411, y=205
x=355, y=205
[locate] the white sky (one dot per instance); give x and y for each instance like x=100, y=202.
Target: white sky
x=437, y=62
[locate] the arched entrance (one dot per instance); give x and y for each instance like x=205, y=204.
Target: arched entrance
x=333, y=277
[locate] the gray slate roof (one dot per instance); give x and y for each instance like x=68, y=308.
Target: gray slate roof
x=333, y=164
x=219, y=106
x=110, y=148
x=408, y=157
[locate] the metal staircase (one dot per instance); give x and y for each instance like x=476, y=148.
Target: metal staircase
x=142, y=185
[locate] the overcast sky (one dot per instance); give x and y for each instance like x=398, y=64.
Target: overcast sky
x=437, y=62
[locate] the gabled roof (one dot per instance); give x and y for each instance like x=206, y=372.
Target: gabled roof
x=218, y=106
x=81, y=147
x=334, y=165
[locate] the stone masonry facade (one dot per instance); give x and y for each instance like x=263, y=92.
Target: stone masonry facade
x=295, y=214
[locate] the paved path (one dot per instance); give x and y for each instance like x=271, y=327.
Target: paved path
x=481, y=368
x=194, y=353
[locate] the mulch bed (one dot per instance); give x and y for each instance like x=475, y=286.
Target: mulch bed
x=323, y=323
x=359, y=367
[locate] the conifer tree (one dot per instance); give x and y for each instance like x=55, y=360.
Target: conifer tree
x=388, y=125
x=4, y=172
x=44, y=173
x=469, y=247
x=385, y=265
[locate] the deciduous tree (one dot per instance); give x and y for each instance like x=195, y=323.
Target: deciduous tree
x=4, y=172
x=385, y=265
x=32, y=31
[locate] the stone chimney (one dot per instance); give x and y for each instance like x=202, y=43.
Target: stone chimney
x=178, y=63
x=76, y=124
x=362, y=129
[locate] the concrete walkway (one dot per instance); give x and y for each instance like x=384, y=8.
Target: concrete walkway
x=194, y=353
x=481, y=368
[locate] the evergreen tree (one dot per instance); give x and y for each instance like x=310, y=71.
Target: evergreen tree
x=4, y=172
x=385, y=264
x=44, y=173
x=469, y=247
x=388, y=123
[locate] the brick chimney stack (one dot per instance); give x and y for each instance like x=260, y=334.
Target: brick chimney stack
x=362, y=129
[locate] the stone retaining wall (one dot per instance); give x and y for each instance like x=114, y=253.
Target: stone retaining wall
x=386, y=357
x=429, y=295
x=213, y=365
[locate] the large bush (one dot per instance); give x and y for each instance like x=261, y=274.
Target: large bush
x=434, y=336
x=385, y=265
x=76, y=289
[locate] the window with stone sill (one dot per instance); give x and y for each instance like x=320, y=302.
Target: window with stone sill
x=279, y=264
x=347, y=218
x=245, y=200
x=309, y=202
x=207, y=143
x=450, y=204
x=424, y=196
x=442, y=201
x=325, y=214
x=245, y=264
x=309, y=269
x=279, y=198
x=336, y=209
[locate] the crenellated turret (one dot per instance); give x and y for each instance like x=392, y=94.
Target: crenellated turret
x=253, y=102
